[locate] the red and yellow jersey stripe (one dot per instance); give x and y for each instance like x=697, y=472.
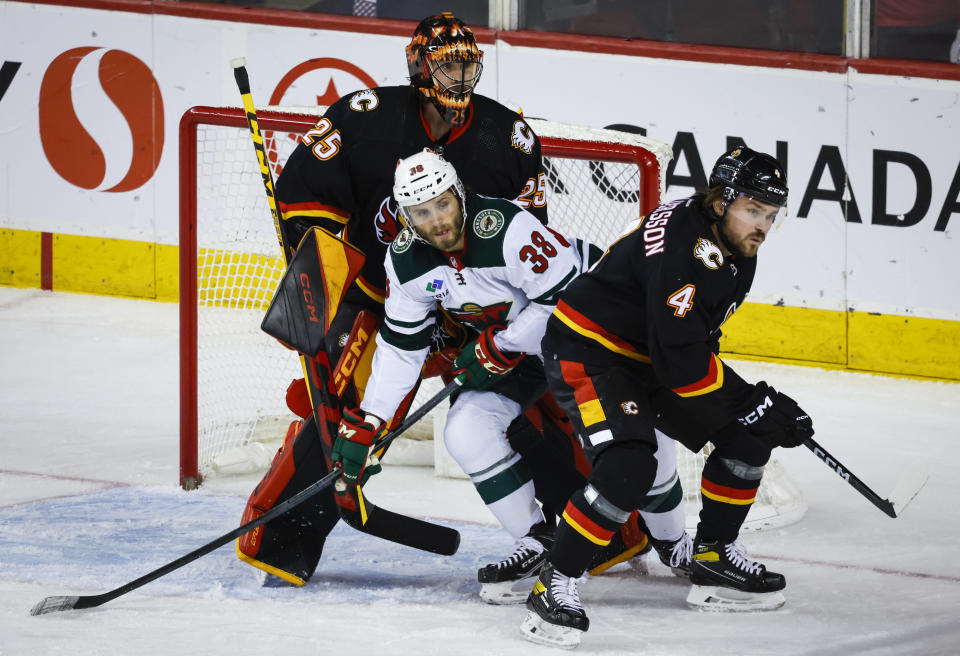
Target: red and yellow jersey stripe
x=314, y=211
x=580, y=324
x=712, y=381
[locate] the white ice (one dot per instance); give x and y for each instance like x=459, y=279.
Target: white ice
x=89, y=501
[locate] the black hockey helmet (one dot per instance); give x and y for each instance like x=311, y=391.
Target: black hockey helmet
x=445, y=64
x=757, y=175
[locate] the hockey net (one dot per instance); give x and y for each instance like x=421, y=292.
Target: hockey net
x=233, y=376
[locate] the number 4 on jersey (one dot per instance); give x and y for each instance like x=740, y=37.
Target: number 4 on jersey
x=682, y=300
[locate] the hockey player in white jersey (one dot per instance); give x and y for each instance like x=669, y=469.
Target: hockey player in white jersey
x=495, y=268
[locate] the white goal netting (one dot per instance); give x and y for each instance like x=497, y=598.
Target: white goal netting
x=234, y=376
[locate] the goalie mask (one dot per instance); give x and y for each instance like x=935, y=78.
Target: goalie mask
x=419, y=179
x=445, y=64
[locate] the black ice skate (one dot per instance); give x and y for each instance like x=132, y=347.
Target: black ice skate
x=628, y=544
x=724, y=579
x=676, y=554
x=509, y=581
x=555, y=616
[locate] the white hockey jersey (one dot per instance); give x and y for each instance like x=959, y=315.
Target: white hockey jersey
x=510, y=273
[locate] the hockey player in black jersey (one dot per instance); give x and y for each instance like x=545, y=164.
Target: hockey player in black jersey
x=340, y=178
x=632, y=346
x=498, y=272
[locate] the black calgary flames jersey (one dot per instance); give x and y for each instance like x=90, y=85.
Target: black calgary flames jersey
x=340, y=176
x=659, y=295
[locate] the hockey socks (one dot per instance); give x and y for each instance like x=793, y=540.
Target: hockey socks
x=727, y=490
x=583, y=532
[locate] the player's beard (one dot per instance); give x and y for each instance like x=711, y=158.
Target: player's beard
x=745, y=246
x=448, y=241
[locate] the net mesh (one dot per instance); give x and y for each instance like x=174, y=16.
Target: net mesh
x=242, y=373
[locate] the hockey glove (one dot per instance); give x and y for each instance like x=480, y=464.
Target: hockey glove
x=775, y=417
x=481, y=363
x=351, y=450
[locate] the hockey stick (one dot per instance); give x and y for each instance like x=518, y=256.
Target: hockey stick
x=54, y=604
x=371, y=519
x=903, y=493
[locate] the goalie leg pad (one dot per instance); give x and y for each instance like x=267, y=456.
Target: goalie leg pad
x=298, y=398
x=290, y=546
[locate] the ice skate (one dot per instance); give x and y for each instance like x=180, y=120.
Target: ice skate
x=724, y=579
x=676, y=554
x=555, y=616
x=629, y=544
x=509, y=581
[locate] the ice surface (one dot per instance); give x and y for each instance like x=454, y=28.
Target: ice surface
x=89, y=501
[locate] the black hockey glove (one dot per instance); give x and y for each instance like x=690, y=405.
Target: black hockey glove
x=775, y=417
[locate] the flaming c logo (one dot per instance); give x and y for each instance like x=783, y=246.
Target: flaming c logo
x=302, y=85
x=71, y=150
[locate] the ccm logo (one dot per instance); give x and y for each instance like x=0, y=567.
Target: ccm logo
x=832, y=464
x=756, y=415
x=350, y=359
x=308, y=298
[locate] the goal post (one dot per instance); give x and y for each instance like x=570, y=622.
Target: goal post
x=233, y=376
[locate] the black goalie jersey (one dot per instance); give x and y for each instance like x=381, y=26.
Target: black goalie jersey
x=340, y=176
x=659, y=296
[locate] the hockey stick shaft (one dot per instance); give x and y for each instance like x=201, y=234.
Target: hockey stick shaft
x=243, y=84
x=53, y=604
x=905, y=491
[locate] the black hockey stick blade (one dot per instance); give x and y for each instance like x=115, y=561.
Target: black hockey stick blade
x=61, y=603
x=903, y=493
x=369, y=518
x=402, y=529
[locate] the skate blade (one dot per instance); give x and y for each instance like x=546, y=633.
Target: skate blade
x=535, y=629
x=639, y=565
x=716, y=598
x=507, y=592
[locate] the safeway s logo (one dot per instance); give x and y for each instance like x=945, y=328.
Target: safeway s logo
x=386, y=222
x=708, y=253
x=96, y=89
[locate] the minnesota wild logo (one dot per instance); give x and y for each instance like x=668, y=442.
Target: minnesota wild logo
x=402, y=241
x=480, y=317
x=487, y=223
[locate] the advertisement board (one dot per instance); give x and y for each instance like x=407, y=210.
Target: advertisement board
x=91, y=101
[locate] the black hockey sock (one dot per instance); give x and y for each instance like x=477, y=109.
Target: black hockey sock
x=727, y=490
x=551, y=463
x=581, y=532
